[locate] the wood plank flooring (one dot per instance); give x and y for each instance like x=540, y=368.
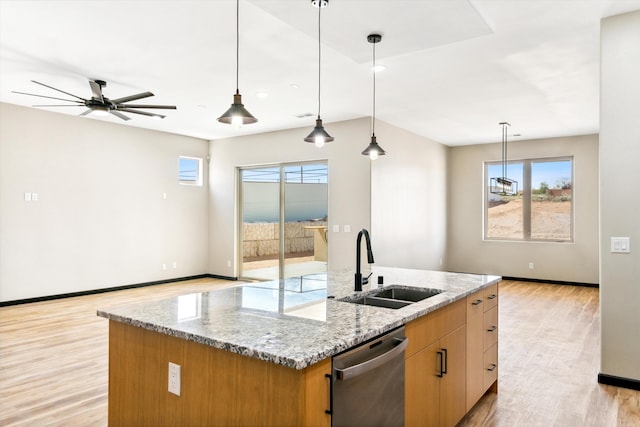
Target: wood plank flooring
x=53, y=360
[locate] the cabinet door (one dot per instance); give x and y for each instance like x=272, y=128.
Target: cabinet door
x=453, y=384
x=422, y=388
x=475, y=348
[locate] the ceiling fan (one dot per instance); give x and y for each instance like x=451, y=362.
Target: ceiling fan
x=101, y=104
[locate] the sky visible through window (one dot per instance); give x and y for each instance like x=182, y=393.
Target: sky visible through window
x=188, y=169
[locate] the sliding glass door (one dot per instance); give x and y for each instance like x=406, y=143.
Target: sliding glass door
x=283, y=220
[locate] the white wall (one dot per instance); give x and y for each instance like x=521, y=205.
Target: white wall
x=349, y=186
x=100, y=219
x=409, y=200
x=620, y=194
x=468, y=252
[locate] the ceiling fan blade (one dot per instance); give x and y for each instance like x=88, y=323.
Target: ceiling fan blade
x=122, y=116
x=51, y=87
x=58, y=105
x=132, y=97
x=96, y=89
x=163, y=107
x=50, y=97
x=144, y=113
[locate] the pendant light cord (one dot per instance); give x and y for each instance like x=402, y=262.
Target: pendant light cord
x=237, y=45
x=373, y=119
x=319, y=58
x=504, y=149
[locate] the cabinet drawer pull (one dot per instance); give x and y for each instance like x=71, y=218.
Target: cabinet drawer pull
x=491, y=329
x=477, y=302
x=492, y=296
x=492, y=368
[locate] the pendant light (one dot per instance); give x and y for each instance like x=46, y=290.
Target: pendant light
x=318, y=135
x=503, y=185
x=373, y=150
x=237, y=115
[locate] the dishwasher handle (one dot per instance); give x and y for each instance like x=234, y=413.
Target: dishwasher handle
x=361, y=368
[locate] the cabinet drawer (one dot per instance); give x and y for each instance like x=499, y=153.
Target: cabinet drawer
x=490, y=366
x=490, y=296
x=490, y=328
x=426, y=330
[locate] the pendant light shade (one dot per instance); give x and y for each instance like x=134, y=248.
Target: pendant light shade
x=237, y=115
x=373, y=150
x=503, y=185
x=318, y=135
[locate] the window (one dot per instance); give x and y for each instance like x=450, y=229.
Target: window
x=543, y=208
x=190, y=170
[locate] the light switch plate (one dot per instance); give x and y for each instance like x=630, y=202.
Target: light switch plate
x=620, y=245
x=336, y=228
x=347, y=229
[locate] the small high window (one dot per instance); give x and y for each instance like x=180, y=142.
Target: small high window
x=190, y=170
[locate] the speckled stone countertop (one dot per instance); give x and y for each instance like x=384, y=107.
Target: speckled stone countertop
x=294, y=322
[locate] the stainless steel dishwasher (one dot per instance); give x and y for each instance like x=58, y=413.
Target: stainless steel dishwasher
x=368, y=383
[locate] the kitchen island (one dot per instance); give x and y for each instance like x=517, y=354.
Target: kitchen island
x=257, y=354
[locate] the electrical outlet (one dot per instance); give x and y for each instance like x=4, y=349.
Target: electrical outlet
x=164, y=266
x=174, y=379
x=530, y=266
x=175, y=264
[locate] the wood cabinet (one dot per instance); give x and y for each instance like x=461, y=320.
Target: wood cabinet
x=435, y=368
x=481, y=344
x=218, y=387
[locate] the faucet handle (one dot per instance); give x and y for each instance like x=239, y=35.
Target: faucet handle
x=365, y=280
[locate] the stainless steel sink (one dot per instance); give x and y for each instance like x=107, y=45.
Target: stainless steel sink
x=405, y=294
x=379, y=302
x=394, y=297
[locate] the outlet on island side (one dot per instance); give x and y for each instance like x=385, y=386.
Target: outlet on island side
x=174, y=379
x=530, y=266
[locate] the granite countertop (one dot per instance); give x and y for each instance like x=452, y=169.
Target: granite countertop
x=294, y=322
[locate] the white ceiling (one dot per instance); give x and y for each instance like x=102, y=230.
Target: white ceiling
x=455, y=68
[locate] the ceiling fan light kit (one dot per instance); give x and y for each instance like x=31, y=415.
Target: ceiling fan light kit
x=237, y=115
x=100, y=105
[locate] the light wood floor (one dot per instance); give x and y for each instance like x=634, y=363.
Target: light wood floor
x=53, y=360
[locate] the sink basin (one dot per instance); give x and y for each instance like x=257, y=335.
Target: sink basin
x=404, y=294
x=394, y=297
x=379, y=302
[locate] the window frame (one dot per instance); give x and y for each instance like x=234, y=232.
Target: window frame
x=526, y=199
x=198, y=181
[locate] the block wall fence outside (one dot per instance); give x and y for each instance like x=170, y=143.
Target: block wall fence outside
x=261, y=238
